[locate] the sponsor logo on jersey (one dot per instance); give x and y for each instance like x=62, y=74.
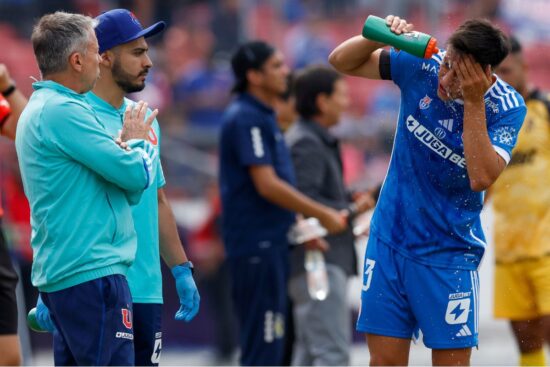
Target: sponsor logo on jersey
x=127, y=318
x=447, y=124
x=424, y=103
x=431, y=141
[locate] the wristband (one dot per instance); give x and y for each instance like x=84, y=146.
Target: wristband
x=188, y=264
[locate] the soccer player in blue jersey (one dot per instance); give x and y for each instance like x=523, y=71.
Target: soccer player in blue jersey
x=458, y=123
x=124, y=66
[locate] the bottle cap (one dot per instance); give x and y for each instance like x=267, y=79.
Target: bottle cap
x=431, y=48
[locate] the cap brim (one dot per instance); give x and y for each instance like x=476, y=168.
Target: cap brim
x=148, y=32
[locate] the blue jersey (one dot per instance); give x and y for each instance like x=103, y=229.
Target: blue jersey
x=249, y=137
x=427, y=210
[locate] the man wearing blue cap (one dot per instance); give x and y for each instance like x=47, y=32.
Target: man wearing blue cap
x=124, y=67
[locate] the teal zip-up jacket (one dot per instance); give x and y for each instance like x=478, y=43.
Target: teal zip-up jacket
x=79, y=183
x=144, y=276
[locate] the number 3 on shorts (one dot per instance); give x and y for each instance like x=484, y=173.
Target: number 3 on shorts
x=369, y=267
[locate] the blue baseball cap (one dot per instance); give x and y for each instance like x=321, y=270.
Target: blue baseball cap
x=118, y=26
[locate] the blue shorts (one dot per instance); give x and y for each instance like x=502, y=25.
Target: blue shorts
x=259, y=285
x=400, y=295
x=147, y=333
x=93, y=323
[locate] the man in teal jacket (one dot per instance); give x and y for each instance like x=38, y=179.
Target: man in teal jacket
x=80, y=184
x=124, y=65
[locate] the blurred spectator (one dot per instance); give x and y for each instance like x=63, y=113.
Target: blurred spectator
x=323, y=327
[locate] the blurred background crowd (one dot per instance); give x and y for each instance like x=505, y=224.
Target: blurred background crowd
x=190, y=83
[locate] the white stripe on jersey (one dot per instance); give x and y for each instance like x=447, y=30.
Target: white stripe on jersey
x=477, y=238
x=257, y=144
x=500, y=98
x=438, y=57
x=502, y=95
x=501, y=152
x=509, y=93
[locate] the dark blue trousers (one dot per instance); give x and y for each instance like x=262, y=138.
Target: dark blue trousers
x=260, y=297
x=93, y=322
x=147, y=333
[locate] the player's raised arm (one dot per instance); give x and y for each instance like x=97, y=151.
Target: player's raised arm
x=359, y=56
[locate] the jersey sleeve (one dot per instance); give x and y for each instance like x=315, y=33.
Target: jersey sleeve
x=252, y=140
x=505, y=129
x=403, y=67
x=73, y=129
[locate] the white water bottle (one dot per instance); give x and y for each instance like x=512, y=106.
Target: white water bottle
x=316, y=273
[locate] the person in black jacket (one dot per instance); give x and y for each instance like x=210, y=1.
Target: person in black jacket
x=323, y=328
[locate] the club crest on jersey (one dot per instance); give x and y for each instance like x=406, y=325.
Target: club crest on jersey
x=127, y=318
x=424, y=103
x=153, y=136
x=505, y=135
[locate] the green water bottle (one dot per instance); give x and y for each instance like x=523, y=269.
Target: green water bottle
x=33, y=323
x=416, y=43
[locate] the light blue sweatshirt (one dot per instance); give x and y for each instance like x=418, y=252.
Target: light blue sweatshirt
x=144, y=276
x=79, y=183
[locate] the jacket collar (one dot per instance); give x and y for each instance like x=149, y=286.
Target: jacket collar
x=50, y=84
x=320, y=131
x=256, y=102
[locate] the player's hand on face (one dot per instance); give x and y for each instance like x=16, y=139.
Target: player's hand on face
x=5, y=79
x=398, y=25
x=135, y=125
x=474, y=80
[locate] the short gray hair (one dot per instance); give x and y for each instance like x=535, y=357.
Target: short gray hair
x=56, y=36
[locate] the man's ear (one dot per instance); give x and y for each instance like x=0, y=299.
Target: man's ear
x=321, y=101
x=254, y=77
x=107, y=59
x=75, y=61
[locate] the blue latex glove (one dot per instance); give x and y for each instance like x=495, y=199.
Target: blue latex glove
x=43, y=317
x=187, y=292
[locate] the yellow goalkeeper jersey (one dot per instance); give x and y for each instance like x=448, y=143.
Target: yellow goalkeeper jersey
x=521, y=195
